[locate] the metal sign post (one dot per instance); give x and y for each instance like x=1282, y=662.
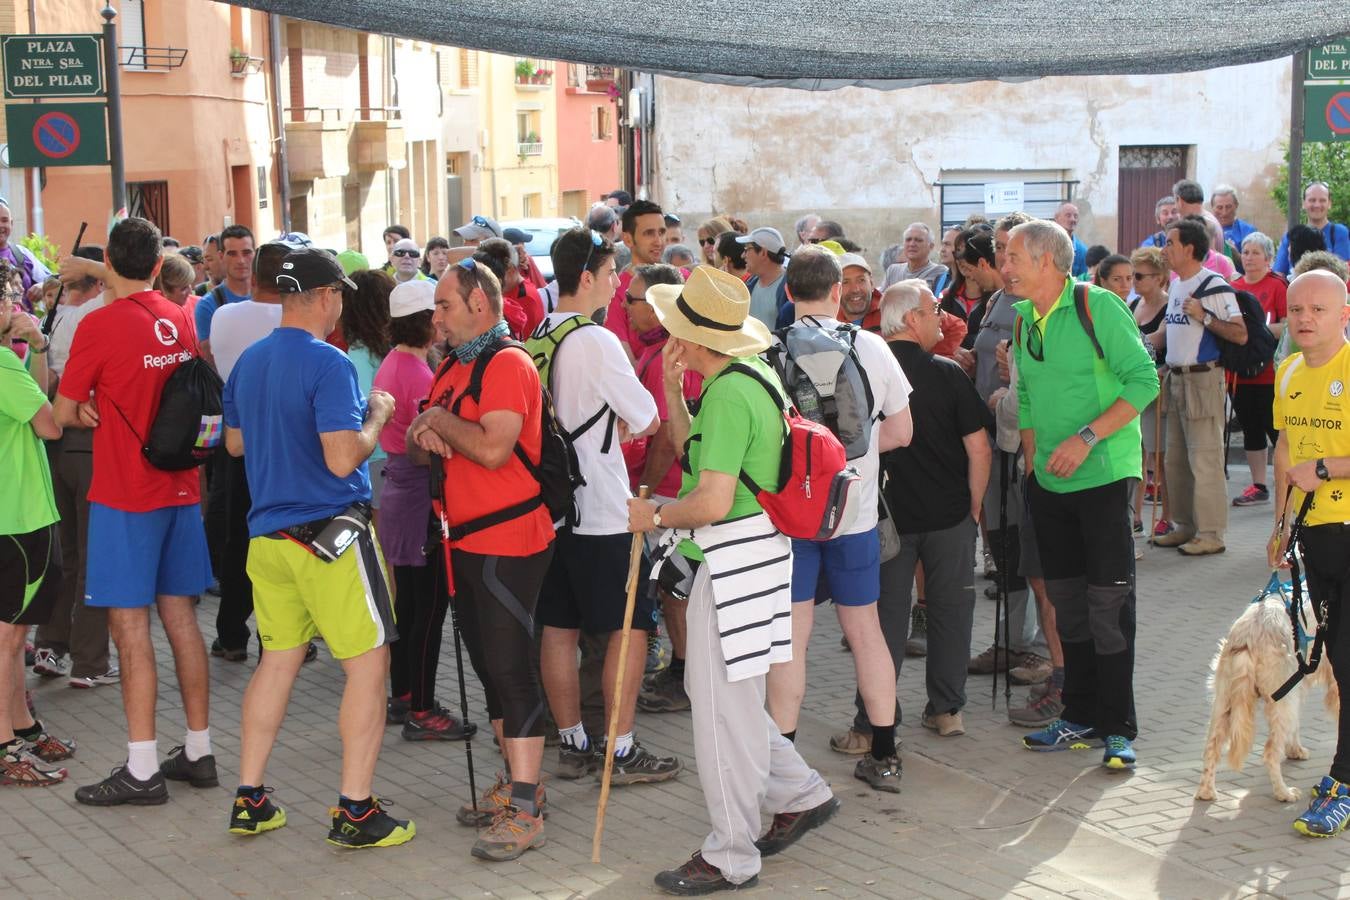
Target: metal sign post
x=113, y=75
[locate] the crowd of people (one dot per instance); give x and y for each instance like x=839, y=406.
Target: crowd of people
x=391, y=438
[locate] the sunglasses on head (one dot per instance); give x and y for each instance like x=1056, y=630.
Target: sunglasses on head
x=480, y=221
x=596, y=241
x=408, y=253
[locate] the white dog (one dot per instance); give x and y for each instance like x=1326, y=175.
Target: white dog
x=1253, y=661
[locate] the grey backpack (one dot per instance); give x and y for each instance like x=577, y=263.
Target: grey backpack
x=820, y=369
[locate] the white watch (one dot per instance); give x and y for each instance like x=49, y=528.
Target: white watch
x=656, y=517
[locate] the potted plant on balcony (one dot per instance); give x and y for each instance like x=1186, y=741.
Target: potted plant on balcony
x=238, y=62
x=545, y=76
x=524, y=69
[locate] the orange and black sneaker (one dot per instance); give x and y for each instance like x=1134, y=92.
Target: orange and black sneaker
x=254, y=812
x=495, y=799
x=368, y=827
x=512, y=832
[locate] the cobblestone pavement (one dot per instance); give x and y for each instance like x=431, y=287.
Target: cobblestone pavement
x=978, y=815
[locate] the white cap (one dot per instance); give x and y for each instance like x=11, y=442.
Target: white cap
x=411, y=297
x=854, y=259
x=765, y=238
x=479, y=228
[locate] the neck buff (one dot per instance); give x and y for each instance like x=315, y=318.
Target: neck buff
x=468, y=351
x=654, y=336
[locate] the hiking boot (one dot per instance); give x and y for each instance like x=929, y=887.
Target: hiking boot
x=1201, y=547
x=397, y=709
x=249, y=816
x=990, y=566
x=945, y=724
x=20, y=767
x=917, y=644
x=852, y=742
x=200, y=773
x=49, y=665
x=574, y=763
x=373, y=828
x=495, y=799
x=698, y=876
x=84, y=682
x=1033, y=670
x=511, y=833
x=664, y=692
x=987, y=663
x=228, y=654
x=881, y=774
x=1328, y=812
x=49, y=748
x=120, y=787
x=1252, y=496
x=1173, y=537
x=641, y=766
x=787, y=828
x=436, y=725
x=1062, y=735
x=658, y=657
x=1119, y=755
x=1041, y=709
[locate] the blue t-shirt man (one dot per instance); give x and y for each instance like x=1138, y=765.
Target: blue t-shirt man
x=286, y=390
x=1335, y=235
x=206, y=308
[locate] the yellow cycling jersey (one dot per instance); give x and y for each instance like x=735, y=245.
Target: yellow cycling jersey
x=1311, y=409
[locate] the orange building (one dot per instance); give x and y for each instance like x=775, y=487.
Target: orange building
x=588, y=142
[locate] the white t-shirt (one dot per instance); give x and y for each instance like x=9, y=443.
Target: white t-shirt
x=237, y=326
x=64, y=324
x=890, y=395
x=1189, y=342
x=590, y=369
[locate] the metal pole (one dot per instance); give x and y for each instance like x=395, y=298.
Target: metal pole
x=113, y=76
x=283, y=164
x=1296, y=137
x=35, y=223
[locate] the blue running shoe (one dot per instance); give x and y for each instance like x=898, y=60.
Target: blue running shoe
x=1062, y=735
x=1119, y=755
x=1329, y=811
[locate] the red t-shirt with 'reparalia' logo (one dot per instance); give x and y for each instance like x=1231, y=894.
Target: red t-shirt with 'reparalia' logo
x=124, y=353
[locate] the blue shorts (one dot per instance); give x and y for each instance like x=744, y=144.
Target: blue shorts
x=133, y=557
x=846, y=569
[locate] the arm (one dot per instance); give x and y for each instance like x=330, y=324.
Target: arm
x=1232, y=330
x=344, y=451
x=897, y=430
x=661, y=455
x=672, y=370
x=489, y=442
x=69, y=414
x=978, y=460
x=708, y=502
x=234, y=443
x=1029, y=451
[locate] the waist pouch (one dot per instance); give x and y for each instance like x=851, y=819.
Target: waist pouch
x=329, y=538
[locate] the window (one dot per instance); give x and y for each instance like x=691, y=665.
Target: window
x=131, y=34
x=532, y=206
x=468, y=69
x=962, y=192
x=602, y=123
x=262, y=187
x=149, y=200
x=528, y=123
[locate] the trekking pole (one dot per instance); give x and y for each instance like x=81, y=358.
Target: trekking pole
x=1001, y=595
x=1159, y=410
x=49, y=322
x=634, y=559
x=438, y=501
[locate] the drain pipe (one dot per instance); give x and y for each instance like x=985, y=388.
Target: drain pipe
x=278, y=122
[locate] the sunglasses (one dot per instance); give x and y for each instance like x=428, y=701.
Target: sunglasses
x=707, y=242
x=813, y=240
x=596, y=241
x=630, y=299
x=414, y=254
x=1036, y=341
x=1140, y=276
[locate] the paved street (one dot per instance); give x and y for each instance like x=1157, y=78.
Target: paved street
x=978, y=815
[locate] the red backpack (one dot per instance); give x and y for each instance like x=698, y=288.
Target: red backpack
x=817, y=496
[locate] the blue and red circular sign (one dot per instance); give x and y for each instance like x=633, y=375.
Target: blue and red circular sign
x=56, y=135
x=1338, y=113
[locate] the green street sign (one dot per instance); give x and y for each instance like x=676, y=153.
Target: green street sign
x=38, y=66
x=1326, y=112
x=1330, y=62
x=56, y=134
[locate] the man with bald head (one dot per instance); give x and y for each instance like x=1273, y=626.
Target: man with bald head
x=1313, y=456
x=1067, y=218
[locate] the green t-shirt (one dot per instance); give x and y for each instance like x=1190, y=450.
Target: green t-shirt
x=28, y=503
x=738, y=427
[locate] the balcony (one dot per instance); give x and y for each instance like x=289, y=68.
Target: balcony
x=530, y=148
x=317, y=149
x=601, y=79
x=378, y=145
x=533, y=75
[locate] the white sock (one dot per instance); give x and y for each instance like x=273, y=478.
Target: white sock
x=197, y=744
x=575, y=737
x=623, y=744
x=143, y=759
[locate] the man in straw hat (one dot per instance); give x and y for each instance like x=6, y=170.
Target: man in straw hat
x=739, y=624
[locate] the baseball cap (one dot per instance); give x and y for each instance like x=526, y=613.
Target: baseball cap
x=516, y=236
x=191, y=253
x=854, y=259
x=833, y=246
x=766, y=238
x=309, y=268
x=479, y=228
x=352, y=261
x=412, y=297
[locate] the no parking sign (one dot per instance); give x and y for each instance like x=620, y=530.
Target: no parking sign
x=57, y=134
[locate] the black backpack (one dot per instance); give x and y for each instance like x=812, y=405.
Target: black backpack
x=187, y=427
x=1244, y=360
x=558, y=472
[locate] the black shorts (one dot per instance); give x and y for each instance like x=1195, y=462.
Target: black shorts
x=30, y=576
x=1255, y=408
x=586, y=585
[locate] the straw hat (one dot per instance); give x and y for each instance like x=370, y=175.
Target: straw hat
x=711, y=309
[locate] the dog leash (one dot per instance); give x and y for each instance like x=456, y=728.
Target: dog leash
x=1306, y=665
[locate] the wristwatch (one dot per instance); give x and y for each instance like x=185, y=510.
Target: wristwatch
x=1088, y=435
x=46, y=345
x=1321, y=470
x=656, y=517
x=1209, y=317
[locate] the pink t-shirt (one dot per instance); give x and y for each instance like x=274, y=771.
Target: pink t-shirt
x=649, y=372
x=616, y=318
x=408, y=379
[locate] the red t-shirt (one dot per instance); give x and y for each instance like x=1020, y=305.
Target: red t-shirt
x=616, y=318
x=650, y=373
x=125, y=356
x=1270, y=291
x=510, y=382
x=533, y=304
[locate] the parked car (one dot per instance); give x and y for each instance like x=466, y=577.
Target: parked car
x=543, y=233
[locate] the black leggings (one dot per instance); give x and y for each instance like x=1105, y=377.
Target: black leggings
x=420, y=606
x=494, y=601
x=1255, y=408
x=1326, y=553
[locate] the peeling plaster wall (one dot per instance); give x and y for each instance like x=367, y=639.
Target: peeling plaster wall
x=871, y=159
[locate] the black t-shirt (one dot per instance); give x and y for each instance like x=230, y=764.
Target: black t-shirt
x=928, y=488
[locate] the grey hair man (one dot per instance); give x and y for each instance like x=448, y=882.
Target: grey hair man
x=917, y=244
x=804, y=226
x=1165, y=212
x=1223, y=202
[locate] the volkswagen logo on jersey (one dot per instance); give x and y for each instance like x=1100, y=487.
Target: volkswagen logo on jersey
x=166, y=332
x=1337, y=388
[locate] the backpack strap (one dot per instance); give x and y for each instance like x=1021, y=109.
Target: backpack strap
x=778, y=400
x=610, y=426
x=474, y=389
x=852, y=331
x=1080, y=305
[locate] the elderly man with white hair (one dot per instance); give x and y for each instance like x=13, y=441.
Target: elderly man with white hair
x=917, y=243
x=1223, y=202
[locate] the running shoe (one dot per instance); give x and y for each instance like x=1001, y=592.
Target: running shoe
x=250, y=816
x=511, y=833
x=880, y=774
x=698, y=876
x=49, y=665
x=990, y=566
x=373, y=828
x=495, y=799
x=658, y=656
x=917, y=644
x=49, y=748
x=1329, y=811
x=200, y=773
x=641, y=766
x=663, y=692
x=84, y=682
x=397, y=709
x=788, y=828
x=1119, y=755
x=20, y=767
x=121, y=787
x=436, y=724
x=1252, y=496
x=1062, y=735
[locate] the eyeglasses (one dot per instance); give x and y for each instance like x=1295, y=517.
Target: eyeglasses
x=414, y=254
x=630, y=299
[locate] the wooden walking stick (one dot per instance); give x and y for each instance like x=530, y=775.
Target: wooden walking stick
x=634, y=559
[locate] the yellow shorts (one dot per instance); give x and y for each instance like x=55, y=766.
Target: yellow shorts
x=296, y=595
